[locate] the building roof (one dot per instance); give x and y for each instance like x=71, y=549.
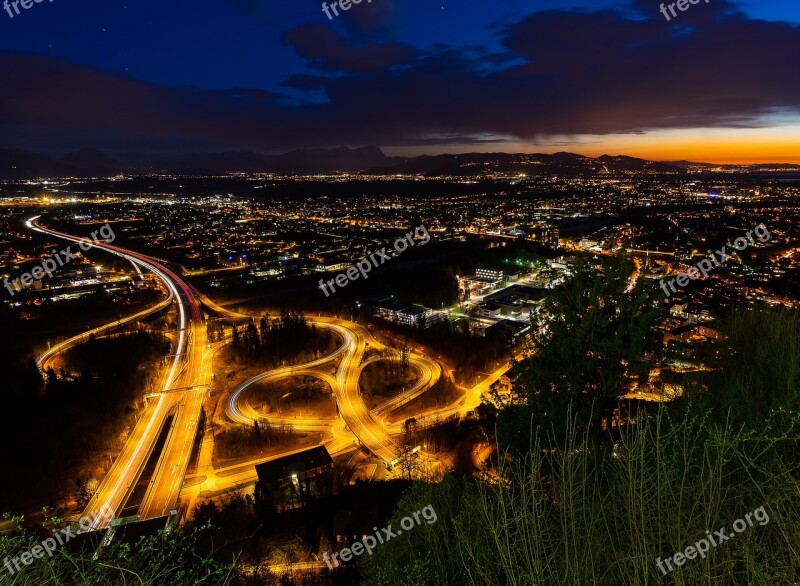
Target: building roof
x=506, y=327
x=403, y=308
x=298, y=463
x=415, y=310
x=518, y=292
x=390, y=304
x=477, y=279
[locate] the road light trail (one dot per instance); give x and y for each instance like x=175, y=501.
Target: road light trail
x=164, y=490
x=44, y=359
x=345, y=387
x=119, y=482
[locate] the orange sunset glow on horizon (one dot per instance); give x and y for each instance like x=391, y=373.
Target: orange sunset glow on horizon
x=724, y=146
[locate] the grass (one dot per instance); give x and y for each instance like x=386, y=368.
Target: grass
x=163, y=559
x=594, y=513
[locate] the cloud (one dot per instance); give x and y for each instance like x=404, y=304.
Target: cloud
x=373, y=17
x=560, y=73
x=327, y=51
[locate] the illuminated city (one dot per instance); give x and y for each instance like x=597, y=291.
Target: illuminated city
x=481, y=352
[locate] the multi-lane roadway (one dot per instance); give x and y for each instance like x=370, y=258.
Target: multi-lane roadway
x=186, y=381
x=189, y=370
x=345, y=387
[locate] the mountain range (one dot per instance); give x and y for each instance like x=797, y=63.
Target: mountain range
x=19, y=165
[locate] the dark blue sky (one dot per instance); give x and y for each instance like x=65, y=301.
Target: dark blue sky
x=410, y=76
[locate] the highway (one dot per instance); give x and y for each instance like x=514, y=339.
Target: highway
x=189, y=369
x=461, y=406
x=44, y=360
x=344, y=385
x=186, y=382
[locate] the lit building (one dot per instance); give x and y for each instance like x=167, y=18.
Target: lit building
x=406, y=314
x=490, y=274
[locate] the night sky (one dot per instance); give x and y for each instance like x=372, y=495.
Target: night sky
x=719, y=82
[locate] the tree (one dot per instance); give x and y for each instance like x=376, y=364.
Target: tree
x=84, y=491
x=264, y=505
x=205, y=512
x=236, y=342
x=751, y=382
x=408, y=455
x=251, y=340
x=588, y=340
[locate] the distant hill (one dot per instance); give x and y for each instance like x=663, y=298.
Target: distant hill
x=330, y=160
x=752, y=168
x=623, y=163
x=22, y=165
x=563, y=164
x=92, y=162
x=16, y=164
